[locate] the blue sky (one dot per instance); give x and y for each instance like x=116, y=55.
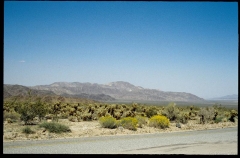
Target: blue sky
x=171, y=46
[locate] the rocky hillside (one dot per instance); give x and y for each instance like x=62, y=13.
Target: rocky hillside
x=19, y=90
x=48, y=95
x=119, y=90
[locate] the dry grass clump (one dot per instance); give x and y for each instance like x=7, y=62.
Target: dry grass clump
x=55, y=127
x=27, y=130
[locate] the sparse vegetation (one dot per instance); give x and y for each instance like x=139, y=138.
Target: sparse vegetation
x=129, y=116
x=11, y=116
x=171, y=111
x=55, y=127
x=219, y=119
x=28, y=110
x=27, y=130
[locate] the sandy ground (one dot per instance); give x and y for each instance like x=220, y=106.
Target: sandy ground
x=13, y=131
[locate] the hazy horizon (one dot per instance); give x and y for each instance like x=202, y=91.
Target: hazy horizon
x=187, y=47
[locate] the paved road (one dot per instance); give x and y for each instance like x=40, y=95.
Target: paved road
x=217, y=141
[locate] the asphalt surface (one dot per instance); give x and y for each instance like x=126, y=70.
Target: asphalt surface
x=210, y=142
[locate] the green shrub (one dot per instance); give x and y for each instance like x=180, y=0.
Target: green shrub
x=29, y=110
x=215, y=115
x=64, y=115
x=142, y=121
x=95, y=116
x=151, y=112
x=55, y=110
x=171, y=111
x=40, y=109
x=108, y=122
x=233, y=114
x=183, y=118
x=117, y=114
x=227, y=114
x=27, y=130
x=139, y=109
x=27, y=113
x=129, y=123
x=159, y=121
x=206, y=114
x=9, y=120
x=127, y=113
x=55, y=127
x=86, y=116
x=219, y=119
x=224, y=119
x=73, y=119
x=14, y=116
x=193, y=108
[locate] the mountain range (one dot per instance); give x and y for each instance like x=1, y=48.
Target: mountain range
x=22, y=92
x=119, y=90
x=227, y=97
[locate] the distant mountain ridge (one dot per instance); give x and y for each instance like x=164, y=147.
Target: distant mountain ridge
x=15, y=90
x=19, y=90
x=119, y=90
x=227, y=97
